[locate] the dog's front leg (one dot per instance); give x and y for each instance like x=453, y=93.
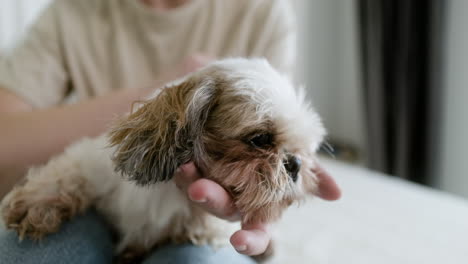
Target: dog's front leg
x=51, y=194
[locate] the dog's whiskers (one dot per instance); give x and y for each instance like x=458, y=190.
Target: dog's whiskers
x=328, y=148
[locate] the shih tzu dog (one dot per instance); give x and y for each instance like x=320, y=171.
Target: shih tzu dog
x=241, y=122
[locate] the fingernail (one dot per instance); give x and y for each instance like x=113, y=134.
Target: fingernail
x=201, y=200
x=241, y=248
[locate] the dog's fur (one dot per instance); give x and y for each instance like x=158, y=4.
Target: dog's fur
x=212, y=117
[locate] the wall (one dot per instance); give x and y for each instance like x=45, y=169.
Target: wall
x=329, y=59
x=328, y=65
x=452, y=174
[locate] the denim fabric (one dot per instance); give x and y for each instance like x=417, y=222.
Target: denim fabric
x=87, y=240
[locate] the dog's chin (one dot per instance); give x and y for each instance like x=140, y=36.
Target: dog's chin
x=268, y=213
x=261, y=188
x=257, y=200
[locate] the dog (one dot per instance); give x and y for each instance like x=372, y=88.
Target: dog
x=240, y=121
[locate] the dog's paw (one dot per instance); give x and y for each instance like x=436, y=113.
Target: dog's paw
x=32, y=217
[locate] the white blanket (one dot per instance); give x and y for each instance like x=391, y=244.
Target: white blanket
x=379, y=219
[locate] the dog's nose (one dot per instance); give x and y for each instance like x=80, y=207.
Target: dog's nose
x=292, y=165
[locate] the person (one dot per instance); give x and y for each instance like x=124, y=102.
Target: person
x=102, y=55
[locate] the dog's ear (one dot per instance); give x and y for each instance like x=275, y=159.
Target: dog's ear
x=163, y=133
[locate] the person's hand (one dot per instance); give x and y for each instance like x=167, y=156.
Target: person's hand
x=188, y=65
x=252, y=239
x=193, y=63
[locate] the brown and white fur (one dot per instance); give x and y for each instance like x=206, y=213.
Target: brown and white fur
x=239, y=120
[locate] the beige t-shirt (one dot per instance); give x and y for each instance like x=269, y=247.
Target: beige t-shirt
x=90, y=47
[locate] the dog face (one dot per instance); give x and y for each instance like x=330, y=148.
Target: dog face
x=241, y=122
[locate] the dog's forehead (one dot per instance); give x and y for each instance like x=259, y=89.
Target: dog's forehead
x=256, y=81
x=274, y=100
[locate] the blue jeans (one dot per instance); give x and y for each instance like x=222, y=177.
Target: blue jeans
x=87, y=239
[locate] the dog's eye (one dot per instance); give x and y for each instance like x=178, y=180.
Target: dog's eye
x=262, y=140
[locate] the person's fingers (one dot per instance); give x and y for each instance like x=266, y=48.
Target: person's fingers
x=252, y=239
x=186, y=175
x=196, y=61
x=213, y=198
x=202, y=59
x=327, y=187
x=206, y=193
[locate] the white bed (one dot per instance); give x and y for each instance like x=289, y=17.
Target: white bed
x=379, y=219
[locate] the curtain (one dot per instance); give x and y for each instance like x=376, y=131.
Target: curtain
x=400, y=43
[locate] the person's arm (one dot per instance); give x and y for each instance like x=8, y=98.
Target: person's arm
x=30, y=137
